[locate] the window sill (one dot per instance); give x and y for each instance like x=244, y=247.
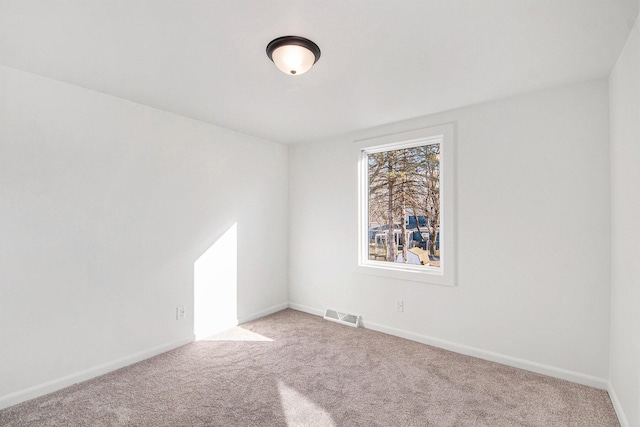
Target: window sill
x=417, y=274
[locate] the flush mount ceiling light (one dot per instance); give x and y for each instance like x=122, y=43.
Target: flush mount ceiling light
x=292, y=54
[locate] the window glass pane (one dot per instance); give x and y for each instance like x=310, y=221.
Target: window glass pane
x=404, y=205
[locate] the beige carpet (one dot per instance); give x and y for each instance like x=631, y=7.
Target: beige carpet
x=294, y=369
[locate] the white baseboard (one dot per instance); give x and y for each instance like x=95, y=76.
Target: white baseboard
x=515, y=362
x=306, y=309
x=622, y=417
x=262, y=313
x=54, y=385
x=87, y=374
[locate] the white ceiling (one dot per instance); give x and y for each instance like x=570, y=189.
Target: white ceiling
x=382, y=61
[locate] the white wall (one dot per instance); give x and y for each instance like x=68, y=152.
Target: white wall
x=625, y=206
x=105, y=205
x=533, y=225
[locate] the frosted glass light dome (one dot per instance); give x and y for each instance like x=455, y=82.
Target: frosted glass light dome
x=293, y=59
x=293, y=55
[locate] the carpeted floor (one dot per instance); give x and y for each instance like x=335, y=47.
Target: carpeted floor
x=294, y=369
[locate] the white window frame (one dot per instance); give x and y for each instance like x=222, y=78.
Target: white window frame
x=445, y=274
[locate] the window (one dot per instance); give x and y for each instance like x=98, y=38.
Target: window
x=406, y=205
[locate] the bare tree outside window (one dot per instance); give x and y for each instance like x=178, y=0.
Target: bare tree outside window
x=404, y=205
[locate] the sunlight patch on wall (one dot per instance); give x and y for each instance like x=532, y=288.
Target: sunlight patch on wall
x=215, y=286
x=300, y=410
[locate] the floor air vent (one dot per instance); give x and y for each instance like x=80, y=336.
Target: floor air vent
x=344, y=318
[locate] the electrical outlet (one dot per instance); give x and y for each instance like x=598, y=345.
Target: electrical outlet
x=181, y=313
x=399, y=306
